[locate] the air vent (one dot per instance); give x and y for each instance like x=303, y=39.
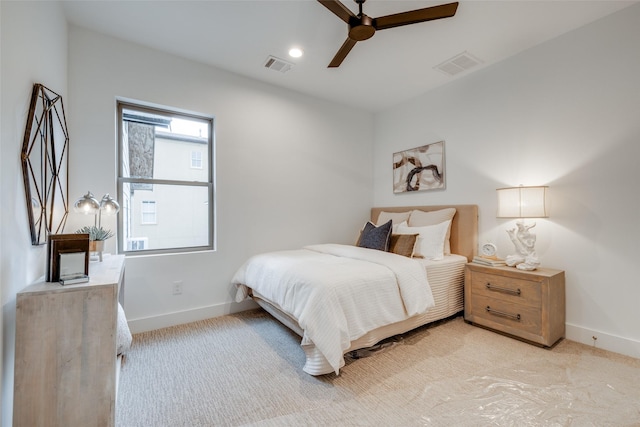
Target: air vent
x=458, y=64
x=278, y=64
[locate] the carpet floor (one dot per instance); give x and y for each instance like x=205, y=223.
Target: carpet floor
x=246, y=370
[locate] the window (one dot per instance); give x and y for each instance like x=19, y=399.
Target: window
x=148, y=212
x=137, y=244
x=149, y=141
x=196, y=159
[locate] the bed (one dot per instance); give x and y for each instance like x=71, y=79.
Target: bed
x=439, y=295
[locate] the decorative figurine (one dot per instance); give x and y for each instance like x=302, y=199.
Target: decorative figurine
x=524, y=241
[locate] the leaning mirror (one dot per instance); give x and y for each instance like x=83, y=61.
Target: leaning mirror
x=45, y=164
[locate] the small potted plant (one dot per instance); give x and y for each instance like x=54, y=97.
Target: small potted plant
x=97, y=236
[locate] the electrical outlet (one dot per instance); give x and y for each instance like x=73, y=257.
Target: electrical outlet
x=177, y=287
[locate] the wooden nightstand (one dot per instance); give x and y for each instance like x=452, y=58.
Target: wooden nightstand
x=526, y=304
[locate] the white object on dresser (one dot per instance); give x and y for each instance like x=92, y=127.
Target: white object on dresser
x=65, y=360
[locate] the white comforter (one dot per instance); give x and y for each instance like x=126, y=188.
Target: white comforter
x=337, y=292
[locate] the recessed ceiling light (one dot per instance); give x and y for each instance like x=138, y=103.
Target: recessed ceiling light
x=295, y=52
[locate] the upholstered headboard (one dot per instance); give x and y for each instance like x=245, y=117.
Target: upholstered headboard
x=464, y=227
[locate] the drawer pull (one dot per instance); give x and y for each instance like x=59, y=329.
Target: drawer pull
x=503, y=314
x=505, y=290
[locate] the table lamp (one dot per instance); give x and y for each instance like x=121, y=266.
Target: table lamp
x=523, y=202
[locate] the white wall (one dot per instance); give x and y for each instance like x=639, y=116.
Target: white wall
x=565, y=114
x=290, y=170
x=33, y=50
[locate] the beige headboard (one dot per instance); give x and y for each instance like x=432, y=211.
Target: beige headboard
x=464, y=227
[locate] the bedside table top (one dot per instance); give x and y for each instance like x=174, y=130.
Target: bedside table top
x=512, y=271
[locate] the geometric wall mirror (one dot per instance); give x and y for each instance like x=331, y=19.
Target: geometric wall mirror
x=45, y=164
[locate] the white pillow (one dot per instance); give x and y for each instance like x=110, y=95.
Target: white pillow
x=395, y=217
x=430, y=244
x=394, y=227
x=420, y=218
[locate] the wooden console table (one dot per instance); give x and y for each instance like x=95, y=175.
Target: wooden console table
x=65, y=360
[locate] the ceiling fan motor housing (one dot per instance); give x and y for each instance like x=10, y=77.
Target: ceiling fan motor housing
x=361, y=28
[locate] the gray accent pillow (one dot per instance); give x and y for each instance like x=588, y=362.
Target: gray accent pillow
x=373, y=237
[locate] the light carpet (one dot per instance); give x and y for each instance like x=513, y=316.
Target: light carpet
x=246, y=369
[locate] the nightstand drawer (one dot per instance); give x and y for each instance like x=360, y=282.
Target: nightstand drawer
x=493, y=312
x=518, y=291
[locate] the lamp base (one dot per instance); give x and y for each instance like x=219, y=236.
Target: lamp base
x=530, y=262
x=524, y=242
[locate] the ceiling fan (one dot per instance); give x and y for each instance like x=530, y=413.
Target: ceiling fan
x=363, y=27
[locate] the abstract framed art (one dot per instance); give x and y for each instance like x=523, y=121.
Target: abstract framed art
x=419, y=169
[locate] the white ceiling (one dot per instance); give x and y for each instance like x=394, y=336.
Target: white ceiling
x=393, y=66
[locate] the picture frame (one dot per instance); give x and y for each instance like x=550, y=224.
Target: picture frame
x=58, y=244
x=419, y=169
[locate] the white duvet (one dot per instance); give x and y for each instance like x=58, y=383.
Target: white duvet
x=337, y=292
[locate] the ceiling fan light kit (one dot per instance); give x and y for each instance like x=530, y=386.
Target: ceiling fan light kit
x=362, y=27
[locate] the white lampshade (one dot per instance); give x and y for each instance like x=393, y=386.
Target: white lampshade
x=522, y=202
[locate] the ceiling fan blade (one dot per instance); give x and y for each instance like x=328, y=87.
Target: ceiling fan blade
x=342, y=53
x=338, y=9
x=415, y=16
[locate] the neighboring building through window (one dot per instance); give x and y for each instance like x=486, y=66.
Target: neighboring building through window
x=150, y=140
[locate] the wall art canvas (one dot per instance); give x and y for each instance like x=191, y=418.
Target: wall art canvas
x=419, y=169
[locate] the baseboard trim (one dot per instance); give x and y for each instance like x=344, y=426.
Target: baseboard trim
x=605, y=341
x=616, y=344
x=187, y=316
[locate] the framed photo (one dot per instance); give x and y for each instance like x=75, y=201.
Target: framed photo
x=419, y=169
x=62, y=247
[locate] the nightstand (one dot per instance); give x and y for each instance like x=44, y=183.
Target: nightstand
x=525, y=304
